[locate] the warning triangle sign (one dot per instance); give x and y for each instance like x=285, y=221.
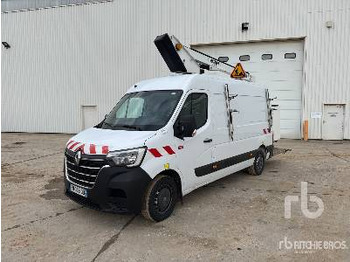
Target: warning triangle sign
x=238, y=71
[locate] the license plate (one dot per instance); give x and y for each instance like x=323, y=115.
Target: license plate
x=78, y=190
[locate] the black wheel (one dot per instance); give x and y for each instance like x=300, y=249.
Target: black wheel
x=160, y=198
x=259, y=163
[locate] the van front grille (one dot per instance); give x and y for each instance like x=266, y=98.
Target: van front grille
x=84, y=174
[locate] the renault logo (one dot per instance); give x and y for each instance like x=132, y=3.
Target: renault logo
x=77, y=157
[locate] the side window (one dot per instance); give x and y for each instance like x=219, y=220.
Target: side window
x=244, y=58
x=196, y=104
x=266, y=57
x=290, y=55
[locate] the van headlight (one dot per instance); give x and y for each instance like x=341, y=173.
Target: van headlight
x=130, y=157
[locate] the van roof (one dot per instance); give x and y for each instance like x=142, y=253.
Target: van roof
x=182, y=82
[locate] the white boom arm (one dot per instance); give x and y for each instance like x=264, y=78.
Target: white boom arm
x=184, y=59
x=195, y=61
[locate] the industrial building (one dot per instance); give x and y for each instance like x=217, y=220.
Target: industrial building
x=65, y=63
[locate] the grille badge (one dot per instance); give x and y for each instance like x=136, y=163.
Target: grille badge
x=77, y=157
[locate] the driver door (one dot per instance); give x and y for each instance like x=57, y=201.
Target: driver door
x=195, y=151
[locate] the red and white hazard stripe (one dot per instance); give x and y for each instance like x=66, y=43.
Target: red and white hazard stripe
x=266, y=130
x=159, y=152
x=90, y=149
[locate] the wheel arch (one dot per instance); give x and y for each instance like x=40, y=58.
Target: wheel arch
x=263, y=147
x=172, y=173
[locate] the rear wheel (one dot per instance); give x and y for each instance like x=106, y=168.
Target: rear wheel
x=160, y=198
x=259, y=163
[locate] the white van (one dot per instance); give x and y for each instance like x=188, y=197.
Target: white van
x=165, y=138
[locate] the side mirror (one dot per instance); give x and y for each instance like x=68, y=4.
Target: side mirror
x=185, y=126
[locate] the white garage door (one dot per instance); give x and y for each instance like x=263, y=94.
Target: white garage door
x=277, y=65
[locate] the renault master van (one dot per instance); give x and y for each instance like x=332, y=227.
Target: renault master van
x=165, y=138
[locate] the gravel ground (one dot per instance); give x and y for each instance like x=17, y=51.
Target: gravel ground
x=238, y=218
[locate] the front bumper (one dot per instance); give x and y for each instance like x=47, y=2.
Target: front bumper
x=117, y=189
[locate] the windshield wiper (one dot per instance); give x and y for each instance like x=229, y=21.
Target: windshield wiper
x=131, y=127
x=108, y=124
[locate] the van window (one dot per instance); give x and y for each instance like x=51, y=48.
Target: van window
x=143, y=111
x=196, y=104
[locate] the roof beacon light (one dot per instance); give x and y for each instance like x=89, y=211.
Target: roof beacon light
x=178, y=46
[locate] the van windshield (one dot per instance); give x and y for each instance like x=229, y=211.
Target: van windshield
x=143, y=111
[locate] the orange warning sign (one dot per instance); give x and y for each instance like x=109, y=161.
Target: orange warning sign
x=238, y=71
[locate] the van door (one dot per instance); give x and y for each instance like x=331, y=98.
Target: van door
x=195, y=151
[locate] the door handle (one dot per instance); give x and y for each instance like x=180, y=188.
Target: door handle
x=208, y=140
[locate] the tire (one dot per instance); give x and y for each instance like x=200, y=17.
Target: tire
x=163, y=187
x=259, y=163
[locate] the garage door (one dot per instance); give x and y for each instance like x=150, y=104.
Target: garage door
x=277, y=65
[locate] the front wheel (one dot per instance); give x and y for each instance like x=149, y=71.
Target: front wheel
x=160, y=198
x=259, y=163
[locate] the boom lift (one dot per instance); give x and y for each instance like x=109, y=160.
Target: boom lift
x=184, y=59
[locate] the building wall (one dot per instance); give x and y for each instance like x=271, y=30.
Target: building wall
x=63, y=58
x=327, y=78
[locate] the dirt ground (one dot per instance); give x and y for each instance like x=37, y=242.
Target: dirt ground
x=238, y=218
